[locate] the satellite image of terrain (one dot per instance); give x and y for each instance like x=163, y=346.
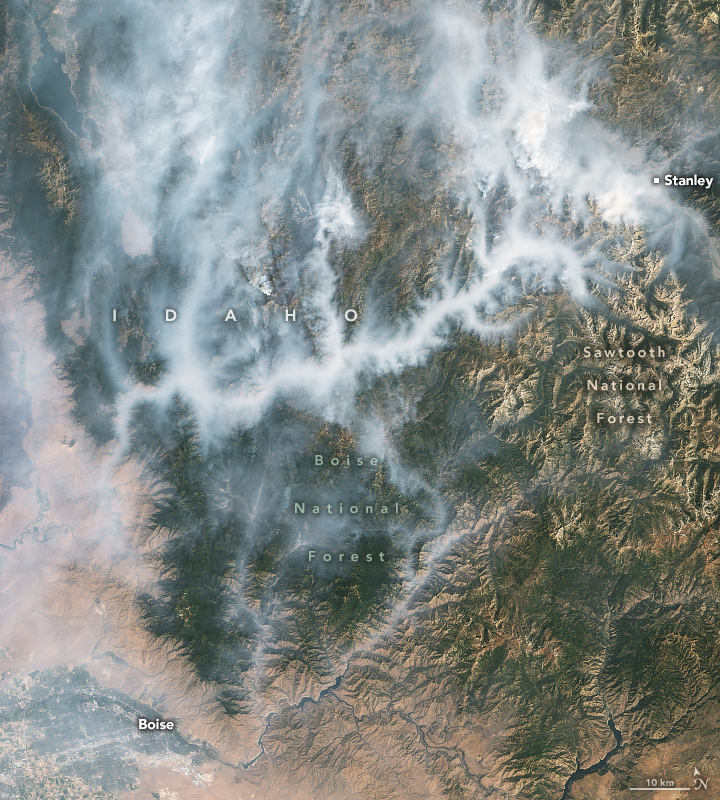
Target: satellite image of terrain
x=360, y=399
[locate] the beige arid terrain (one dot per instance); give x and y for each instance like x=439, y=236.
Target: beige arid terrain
x=525, y=417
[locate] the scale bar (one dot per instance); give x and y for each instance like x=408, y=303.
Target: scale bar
x=662, y=789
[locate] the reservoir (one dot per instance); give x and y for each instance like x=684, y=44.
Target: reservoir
x=52, y=86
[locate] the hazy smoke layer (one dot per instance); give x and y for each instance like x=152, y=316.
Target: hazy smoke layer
x=222, y=138
x=284, y=208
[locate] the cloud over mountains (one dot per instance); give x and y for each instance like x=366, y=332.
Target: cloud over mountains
x=446, y=172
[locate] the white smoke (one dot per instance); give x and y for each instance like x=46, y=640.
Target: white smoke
x=219, y=183
x=203, y=149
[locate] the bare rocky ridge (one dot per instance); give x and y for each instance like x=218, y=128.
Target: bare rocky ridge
x=552, y=583
x=580, y=587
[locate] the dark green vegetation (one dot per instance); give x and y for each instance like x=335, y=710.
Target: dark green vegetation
x=49, y=228
x=585, y=583
x=224, y=546
x=658, y=77
x=580, y=573
x=196, y=561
